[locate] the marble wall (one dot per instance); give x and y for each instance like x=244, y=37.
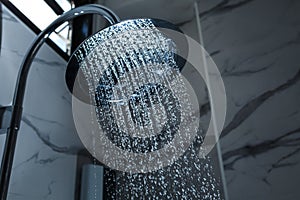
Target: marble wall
x=256, y=45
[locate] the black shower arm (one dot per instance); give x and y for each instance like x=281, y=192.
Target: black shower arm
x=11, y=138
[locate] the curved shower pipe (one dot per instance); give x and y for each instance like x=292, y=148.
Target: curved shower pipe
x=17, y=106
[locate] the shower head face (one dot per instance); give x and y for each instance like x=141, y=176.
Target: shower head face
x=140, y=113
x=140, y=27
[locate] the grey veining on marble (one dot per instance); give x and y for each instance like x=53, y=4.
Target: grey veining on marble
x=256, y=46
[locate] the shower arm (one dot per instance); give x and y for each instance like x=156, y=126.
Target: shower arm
x=11, y=138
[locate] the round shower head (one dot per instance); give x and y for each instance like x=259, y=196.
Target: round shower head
x=137, y=26
x=128, y=77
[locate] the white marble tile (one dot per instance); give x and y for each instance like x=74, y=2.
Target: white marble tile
x=39, y=172
x=256, y=47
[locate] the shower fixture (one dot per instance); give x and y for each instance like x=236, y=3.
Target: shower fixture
x=129, y=75
x=133, y=107
x=146, y=94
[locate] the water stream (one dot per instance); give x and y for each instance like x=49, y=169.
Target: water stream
x=145, y=109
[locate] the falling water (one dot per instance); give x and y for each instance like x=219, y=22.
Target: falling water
x=142, y=103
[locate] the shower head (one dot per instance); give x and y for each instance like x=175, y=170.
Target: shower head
x=130, y=75
x=141, y=31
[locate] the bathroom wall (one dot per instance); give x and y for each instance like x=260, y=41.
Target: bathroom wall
x=45, y=162
x=256, y=45
x=45, y=159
